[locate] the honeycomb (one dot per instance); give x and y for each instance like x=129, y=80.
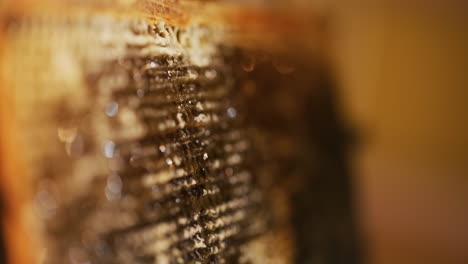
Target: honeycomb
x=149, y=141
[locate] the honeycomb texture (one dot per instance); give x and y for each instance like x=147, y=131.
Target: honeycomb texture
x=148, y=159
x=147, y=142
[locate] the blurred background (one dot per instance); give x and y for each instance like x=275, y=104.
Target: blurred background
x=402, y=69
